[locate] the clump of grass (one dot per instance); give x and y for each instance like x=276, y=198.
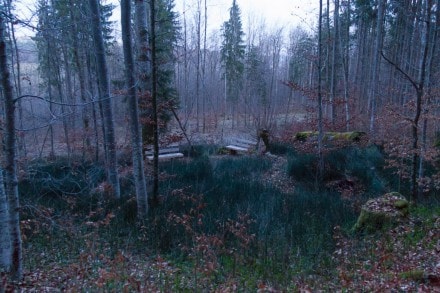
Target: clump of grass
x=61, y=177
x=283, y=225
x=364, y=164
x=278, y=148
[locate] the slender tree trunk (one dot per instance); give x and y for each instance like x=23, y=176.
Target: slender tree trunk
x=94, y=106
x=328, y=66
x=81, y=76
x=135, y=128
x=346, y=67
x=420, y=93
x=5, y=235
x=204, y=96
x=320, y=118
x=376, y=62
x=57, y=65
x=433, y=46
x=334, y=68
x=143, y=69
x=16, y=53
x=102, y=72
x=198, y=36
x=154, y=103
x=10, y=160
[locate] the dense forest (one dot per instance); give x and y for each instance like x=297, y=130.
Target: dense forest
x=330, y=121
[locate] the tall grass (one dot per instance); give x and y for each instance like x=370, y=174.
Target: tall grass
x=219, y=209
x=284, y=225
x=363, y=164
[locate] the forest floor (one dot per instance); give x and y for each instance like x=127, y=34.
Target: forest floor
x=405, y=258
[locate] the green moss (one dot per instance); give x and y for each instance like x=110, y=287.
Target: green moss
x=415, y=275
x=303, y=135
x=381, y=212
x=401, y=204
x=344, y=136
x=371, y=222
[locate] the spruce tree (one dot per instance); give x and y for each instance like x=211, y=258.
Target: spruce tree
x=233, y=54
x=166, y=37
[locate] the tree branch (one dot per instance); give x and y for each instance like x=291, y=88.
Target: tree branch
x=406, y=75
x=59, y=103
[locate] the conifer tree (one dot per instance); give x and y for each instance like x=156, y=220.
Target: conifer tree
x=233, y=54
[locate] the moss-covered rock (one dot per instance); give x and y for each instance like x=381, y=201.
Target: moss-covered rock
x=381, y=212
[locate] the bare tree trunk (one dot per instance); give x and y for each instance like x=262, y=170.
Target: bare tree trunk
x=5, y=235
x=102, y=72
x=433, y=45
x=320, y=118
x=334, y=68
x=10, y=160
x=81, y=76
x=143, y=62
x=154, y=103
x=420, y=90
x=376, y=61
x=135, y=128
x=346, y=67
x=198, y=41
x=204, y=97
x=22, y=140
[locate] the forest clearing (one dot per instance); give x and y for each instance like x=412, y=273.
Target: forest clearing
x=157, y=154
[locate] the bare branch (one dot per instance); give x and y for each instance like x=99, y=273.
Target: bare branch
x=61, y=104
x=406, y=75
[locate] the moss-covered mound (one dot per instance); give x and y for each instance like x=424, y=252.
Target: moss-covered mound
x=381, y=212
x=328, y=136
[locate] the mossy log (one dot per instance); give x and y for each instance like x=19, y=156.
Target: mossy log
x=382, y=212
x=328, y=136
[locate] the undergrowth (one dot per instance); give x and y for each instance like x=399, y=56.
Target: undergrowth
x=218, y=226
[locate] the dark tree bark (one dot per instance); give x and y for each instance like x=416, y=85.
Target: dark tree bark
x=102, y=72
x=154, y=102
x=320, y=118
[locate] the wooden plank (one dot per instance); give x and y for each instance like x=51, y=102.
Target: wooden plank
x=163, y=151
x=246, y=141
x=166, y=156
x=237, y=148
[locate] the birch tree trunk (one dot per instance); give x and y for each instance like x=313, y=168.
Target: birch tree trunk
x=102, y=72
x=10, y=160
x=135, y=128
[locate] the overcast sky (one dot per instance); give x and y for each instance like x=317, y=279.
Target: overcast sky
x=275, y=13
